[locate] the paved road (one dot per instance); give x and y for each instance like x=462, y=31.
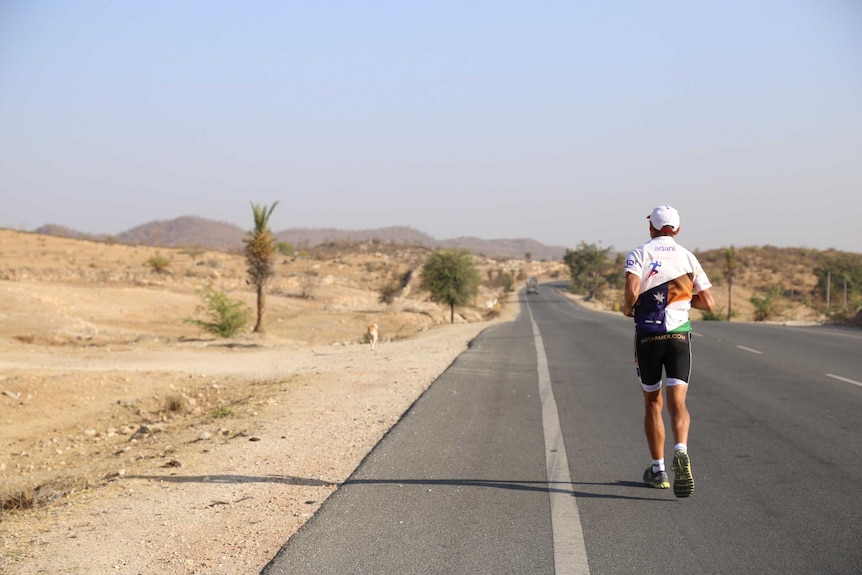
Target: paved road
x=525, y=457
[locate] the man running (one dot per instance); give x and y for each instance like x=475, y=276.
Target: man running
x=663, y=281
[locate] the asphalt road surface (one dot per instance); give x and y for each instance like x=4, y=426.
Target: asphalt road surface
x=526, y=457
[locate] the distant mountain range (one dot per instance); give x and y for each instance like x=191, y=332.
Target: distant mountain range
x=193, y=231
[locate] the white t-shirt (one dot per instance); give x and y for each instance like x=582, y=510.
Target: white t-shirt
x=669, y=275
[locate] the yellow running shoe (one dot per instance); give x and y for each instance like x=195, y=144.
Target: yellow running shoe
x=683, y=482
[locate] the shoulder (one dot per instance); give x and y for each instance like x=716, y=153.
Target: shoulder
x=635, y=256
x=689, y=254
x=641, y=249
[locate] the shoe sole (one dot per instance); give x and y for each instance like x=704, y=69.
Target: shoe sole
x=683, y=482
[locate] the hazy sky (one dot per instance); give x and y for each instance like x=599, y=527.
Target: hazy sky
x=559, y=121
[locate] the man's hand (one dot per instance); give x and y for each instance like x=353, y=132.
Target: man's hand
x=633, y=286
x=703, y=300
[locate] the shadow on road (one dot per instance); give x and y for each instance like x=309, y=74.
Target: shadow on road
x=544, y=486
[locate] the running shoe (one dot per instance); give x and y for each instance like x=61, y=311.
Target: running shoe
x=683, y=482
x=657, y=479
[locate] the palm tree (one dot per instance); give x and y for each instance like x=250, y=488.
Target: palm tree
x=260, y=249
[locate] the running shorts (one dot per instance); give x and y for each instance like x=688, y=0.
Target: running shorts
x=670, y=352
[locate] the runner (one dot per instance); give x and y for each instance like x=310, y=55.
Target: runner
x=663, y=281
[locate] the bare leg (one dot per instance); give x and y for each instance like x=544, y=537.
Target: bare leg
x=679, y=416
x=653, y=423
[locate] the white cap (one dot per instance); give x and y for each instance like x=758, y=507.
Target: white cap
x=664, y=216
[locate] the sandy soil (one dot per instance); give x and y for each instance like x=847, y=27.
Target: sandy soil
x=133, y=444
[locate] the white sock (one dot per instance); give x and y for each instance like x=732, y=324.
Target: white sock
x=680, y=447
x=657, y=465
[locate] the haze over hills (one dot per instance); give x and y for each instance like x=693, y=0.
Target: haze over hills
x=193, y=231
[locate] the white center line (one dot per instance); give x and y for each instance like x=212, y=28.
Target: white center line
x=570, y=552
x=844, y=379
x=749, y=349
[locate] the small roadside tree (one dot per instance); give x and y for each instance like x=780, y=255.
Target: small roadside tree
x=589, y=266
x=452, y=278
x=260, y=250
x=225, y=317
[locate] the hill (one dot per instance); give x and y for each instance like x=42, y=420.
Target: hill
x=186, y=231
x=193, y=231
x=788, y=283
x=399, y=235
x=782, y=280
x=514, y=248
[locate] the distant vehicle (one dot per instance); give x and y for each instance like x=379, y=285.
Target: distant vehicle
x=532, y=285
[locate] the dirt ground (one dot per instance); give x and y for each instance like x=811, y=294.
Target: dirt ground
x=133, y=443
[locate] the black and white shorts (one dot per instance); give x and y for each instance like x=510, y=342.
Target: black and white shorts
x=655, y=352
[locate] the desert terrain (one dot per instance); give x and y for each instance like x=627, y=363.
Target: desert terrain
x=133, y=443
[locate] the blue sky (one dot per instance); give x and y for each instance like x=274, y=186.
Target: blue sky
x=558, y=121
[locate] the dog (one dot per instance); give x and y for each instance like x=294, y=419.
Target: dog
x=372, y=335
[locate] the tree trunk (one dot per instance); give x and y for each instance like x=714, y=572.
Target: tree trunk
x=451, y=313
x=261, y=305
x=729, y=298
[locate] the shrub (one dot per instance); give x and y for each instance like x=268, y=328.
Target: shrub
x=226, y=317
x=158, y=263
x=766, y=307
x=221, y=412
x=716, y=314
x=285, y=248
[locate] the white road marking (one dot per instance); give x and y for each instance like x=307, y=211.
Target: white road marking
x=844, y=379
x=742, y=347
x=570, y=552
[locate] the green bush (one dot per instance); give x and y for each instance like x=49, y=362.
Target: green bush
x=158, y=263
x=767, y=306
x=221, y=412
x=717, y=314
x=225, y=317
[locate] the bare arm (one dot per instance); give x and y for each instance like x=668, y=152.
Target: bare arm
x=703, y=300
x=633, y=288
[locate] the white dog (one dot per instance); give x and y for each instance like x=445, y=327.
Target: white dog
x=373, y=334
